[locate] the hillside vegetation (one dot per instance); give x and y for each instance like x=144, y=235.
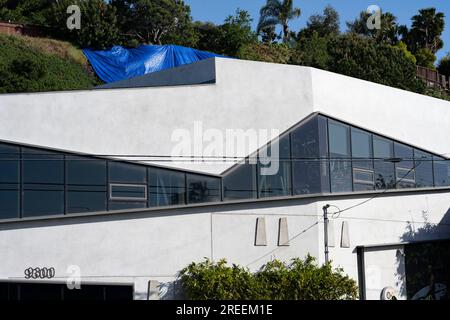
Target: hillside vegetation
x=38, y=64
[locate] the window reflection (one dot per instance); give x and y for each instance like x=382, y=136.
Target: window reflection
x=310, y=151
x=166, y=187
x=424, y=169
x=274, y=173
x=404, y=170
x=240, y=183
x=362, y=154
x=203, y=189
x=340, y=163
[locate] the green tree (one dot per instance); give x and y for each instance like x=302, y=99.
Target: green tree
x=268, y=35
x=98, y=23
x=365, y=59
x=237, y=32
x=154, y=21
x=29, y=11
x=326, y=24
x=312, y=51
x=444, y=65
x=229, y=37
x=408, y=54
x=425, y=58
x=426, y=31
x=388, y=33
x=278, y=12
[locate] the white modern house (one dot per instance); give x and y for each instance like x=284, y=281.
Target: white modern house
x=123, y=186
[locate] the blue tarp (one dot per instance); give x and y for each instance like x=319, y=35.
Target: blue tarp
x=121, y=63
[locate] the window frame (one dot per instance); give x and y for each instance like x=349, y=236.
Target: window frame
x=127, y=199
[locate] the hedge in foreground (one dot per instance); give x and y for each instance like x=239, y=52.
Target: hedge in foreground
x=276, y=280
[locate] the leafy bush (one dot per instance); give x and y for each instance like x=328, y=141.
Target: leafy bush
x=381, y=63
x=275, y=53
x=297, y=280
x=23, y=68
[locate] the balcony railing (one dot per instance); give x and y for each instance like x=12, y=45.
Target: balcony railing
x=433, y=78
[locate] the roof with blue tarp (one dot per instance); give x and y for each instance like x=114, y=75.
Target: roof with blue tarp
x=121, y=63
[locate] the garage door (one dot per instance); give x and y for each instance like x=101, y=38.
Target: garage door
x=44, y=291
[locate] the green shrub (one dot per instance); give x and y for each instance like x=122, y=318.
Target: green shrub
x=275, y=53
x=297, y=280
x=26, y=69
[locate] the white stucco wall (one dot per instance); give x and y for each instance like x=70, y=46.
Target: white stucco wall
x=247, y=95
x=141, y=121
x=418, y=120
x=138, y=247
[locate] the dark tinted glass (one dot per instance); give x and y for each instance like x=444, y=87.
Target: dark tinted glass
x=340, y=163
x=405, y=173
x=86, y=199
x=166, y=187
x=274, y=171
x=127, y=173
x=383, y=152
x=86, y=171
x=43, y=203
x=9, y=203
x=309, y=151
x=35, y=292
x=4, y=291
x=87, y=292
x=362, y=149
x=118, y=293
x=9, y=164
x=42, y=167
x=240, y=183
x=274, y=179
x=441, y=172
x=128, y=192
x=424, y=169
x=362, y=154
x=203, y=189
x=123, y=205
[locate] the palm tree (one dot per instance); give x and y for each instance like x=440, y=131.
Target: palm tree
x=278, y=12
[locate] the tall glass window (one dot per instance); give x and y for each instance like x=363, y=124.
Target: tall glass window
x=274, y=170
x=362, y=157
x=166, y=187
x=9, y=181
x=240, y=183
x=404, y=170
x=383, y=152
x=310, y=168
x=43, y=183
x=340, y=155
x=86, y=184
x=424, y=169
x=203, y=188
x=441, y=172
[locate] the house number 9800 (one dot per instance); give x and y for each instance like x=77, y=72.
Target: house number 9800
x=39, y=273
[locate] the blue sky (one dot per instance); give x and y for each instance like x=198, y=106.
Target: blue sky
x=216, y=10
